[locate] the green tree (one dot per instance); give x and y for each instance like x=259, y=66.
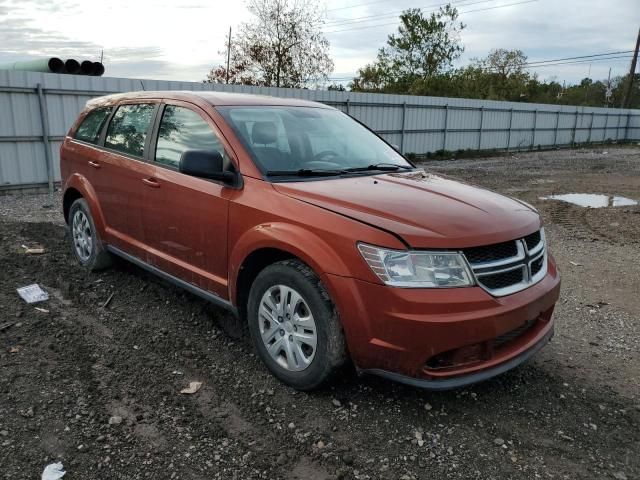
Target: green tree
x=282, y=47
x=337, y=87
x=499, y=76
x=619, y=86
x=421, y=48
x=504, y=63
x=371, y=78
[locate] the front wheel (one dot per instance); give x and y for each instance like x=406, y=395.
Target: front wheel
x=294, y=325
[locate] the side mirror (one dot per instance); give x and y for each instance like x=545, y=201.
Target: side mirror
x=396, y=147
x=205, y=164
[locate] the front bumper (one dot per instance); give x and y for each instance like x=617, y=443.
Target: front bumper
x=468, y=379
x=443, y=338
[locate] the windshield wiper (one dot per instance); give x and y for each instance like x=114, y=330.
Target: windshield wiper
x=385, y=167
x=304, y=172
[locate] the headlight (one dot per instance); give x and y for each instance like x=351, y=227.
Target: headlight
x=415, y=269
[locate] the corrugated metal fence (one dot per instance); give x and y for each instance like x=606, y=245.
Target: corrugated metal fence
x=36, y=110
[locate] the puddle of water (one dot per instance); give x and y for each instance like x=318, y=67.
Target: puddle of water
x=593, y=200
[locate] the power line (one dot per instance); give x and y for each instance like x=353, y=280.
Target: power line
x=398, y=12
x=356, y=5
x=577, y=62
x=546, y=63
x=596, y=57
x=580, y=57
x=466, y=11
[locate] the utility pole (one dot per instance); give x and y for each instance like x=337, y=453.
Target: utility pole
x=632, y=72
x=228, y=53
x=587, y=87
x=101, y=56
x=608, y=92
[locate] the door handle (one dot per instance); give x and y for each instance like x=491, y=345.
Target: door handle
x=151, y=182
x=94, y=164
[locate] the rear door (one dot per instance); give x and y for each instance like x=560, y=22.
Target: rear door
x=82, y=154
x=187, y=225
x=123, y=177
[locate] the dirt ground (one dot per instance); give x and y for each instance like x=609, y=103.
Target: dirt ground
x=96, y=384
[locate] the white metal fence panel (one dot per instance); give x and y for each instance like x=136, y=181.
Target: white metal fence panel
x=418, y=125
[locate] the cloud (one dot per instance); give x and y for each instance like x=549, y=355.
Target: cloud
x=17, y=36
x=173, y=40
x=21, y=39
x=545, y=29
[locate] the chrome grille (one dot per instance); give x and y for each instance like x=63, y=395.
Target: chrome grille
x=508, y=267
x=491, y=252
x=504, y=279
x=532, y=240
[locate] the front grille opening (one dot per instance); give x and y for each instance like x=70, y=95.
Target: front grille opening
x=488, y=263
x=532, y=240
x=536, y=265
x=490, y=253
x=502, y=280
x=506, y=338
x=478, y=352
x=458, y=357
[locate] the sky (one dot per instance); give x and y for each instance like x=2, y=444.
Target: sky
x=182, y=39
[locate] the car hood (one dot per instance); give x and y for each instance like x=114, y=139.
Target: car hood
x=425, y=210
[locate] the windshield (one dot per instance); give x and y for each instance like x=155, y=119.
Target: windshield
x=306, y=140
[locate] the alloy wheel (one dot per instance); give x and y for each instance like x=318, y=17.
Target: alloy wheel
x=82, y=235
x=287, y=328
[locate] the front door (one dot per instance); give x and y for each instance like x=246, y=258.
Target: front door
x=187, y=228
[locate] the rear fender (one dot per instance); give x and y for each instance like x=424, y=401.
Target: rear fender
x=82, y=185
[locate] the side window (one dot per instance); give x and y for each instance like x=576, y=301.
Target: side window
x=90, y=128
x=128, y=128
x=183, y=129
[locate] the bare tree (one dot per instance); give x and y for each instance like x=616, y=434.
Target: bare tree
x=283, y=46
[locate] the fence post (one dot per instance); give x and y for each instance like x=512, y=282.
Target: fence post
x=347, y=103
x=555, y=133
x=626, y=127
x=481, y=125
x=590, y=129
x=446, y=121
x=575, y=127
x=618, y=128
x=404, y=116
x=510, y=125
x=44, y=122
x=533, y=130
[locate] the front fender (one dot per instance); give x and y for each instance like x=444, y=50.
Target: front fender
x=82, y=185
x=293, y=239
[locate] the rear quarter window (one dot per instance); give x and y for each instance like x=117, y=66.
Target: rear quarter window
x=90, y=128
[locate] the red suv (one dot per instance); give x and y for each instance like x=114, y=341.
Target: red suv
x=314, y=231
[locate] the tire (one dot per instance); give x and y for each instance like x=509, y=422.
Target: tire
x=297, y=364
x=86, y=244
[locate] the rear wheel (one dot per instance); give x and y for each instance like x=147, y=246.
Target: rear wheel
x=85, y=240
x=294, y=325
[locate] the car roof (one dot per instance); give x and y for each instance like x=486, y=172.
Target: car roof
x=212, y=98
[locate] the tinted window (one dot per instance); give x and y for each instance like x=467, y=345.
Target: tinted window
x=128, y=128
x=183, y=129
x=90, y=128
